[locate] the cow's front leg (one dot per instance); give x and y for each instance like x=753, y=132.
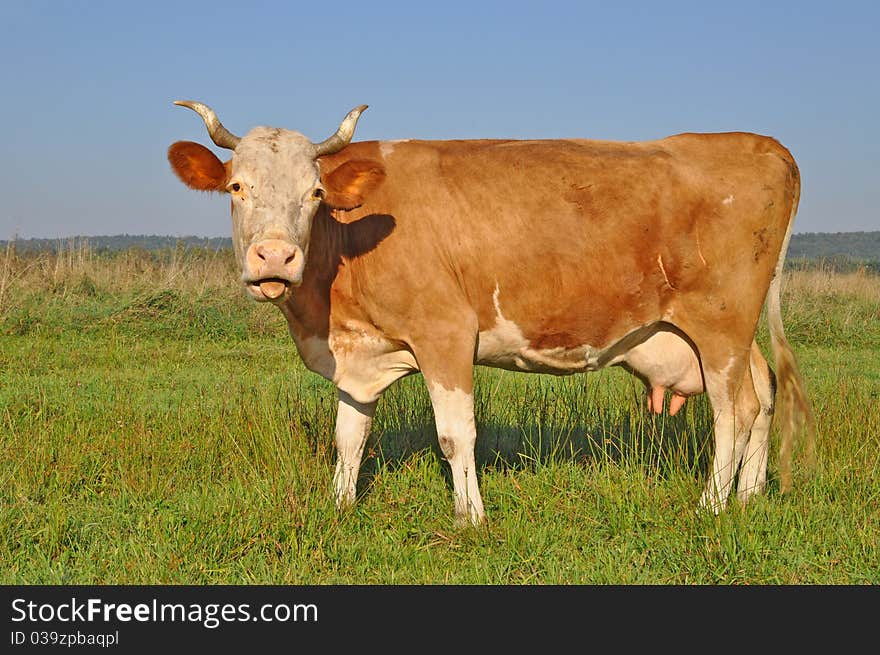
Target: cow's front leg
x=447, y=364
x=353, y=420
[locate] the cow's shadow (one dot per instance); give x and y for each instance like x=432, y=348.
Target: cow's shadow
x=527, y=441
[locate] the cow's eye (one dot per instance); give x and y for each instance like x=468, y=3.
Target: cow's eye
x=235, y=186
x=319, y=194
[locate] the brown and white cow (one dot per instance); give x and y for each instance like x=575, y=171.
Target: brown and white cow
x=554, y=256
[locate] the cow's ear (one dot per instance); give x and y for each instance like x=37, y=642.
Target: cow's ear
x=197, y=167
x=350, y=183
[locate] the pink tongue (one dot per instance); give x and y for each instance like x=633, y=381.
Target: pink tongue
x=272, y=288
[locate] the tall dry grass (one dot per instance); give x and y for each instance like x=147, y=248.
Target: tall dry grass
x=833, y=309
x=825, y=281
x=75, y=262
x=195, y=290
x=198, y=270
x=820, y=307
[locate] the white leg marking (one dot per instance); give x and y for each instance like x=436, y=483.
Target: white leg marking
x=734, y=418
x=457, y=433
x=753, y=472
x=724, y=462
x=353, y=420
x=717, y=489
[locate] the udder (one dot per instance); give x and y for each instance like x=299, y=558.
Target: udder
x=666, y=362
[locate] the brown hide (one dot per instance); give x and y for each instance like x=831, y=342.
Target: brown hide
x=585, y=240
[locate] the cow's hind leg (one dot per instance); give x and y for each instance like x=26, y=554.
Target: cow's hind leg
x=753, y=470
x=735, y=406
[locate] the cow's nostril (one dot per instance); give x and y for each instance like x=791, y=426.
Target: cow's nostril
x=273, y=256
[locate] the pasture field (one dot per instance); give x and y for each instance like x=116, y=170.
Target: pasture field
x=156, y=427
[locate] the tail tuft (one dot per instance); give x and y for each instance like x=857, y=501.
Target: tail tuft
x=795, y=414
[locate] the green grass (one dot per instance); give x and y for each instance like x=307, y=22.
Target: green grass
x=157, y=427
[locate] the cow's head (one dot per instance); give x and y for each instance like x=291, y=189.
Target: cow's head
x=276, y=185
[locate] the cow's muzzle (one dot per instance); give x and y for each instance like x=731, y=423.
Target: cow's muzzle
x=272, y=267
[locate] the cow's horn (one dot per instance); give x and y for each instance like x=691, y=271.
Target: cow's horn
x=219, y=134
x=343, y=135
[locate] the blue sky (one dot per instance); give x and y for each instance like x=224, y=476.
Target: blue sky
x=88, y=88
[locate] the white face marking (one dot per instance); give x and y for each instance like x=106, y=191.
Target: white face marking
x=728, y=200
x=278, y=173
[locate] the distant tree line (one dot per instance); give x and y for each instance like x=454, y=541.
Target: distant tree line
x=843, y=252
x=818, y=245
x=101, y=244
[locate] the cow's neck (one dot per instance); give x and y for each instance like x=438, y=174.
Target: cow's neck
x=307, y=309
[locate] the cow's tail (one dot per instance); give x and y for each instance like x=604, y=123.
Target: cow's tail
x=794, y=412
